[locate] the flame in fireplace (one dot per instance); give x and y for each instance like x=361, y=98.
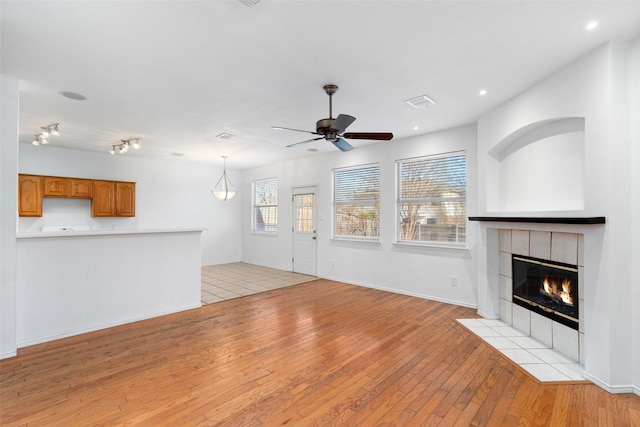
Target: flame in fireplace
x=566, y=292
x=551, y=289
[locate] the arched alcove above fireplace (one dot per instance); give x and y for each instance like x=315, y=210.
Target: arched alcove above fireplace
x=539, y=168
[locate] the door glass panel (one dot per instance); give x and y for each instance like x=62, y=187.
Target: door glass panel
x=304, y=213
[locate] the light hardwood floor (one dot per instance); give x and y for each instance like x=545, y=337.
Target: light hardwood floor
x=317, y=353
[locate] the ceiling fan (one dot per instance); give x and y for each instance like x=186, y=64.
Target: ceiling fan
x=333, y=129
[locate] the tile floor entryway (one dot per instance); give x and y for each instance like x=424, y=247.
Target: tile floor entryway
x=227, y=281
x=540, y=361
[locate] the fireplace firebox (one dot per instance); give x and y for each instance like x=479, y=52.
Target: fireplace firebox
x=548, y=288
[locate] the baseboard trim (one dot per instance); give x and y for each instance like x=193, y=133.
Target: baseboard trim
x=398, y=291
x=8, y=354
x=613, y=389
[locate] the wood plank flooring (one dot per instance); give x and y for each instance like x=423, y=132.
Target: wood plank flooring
x=318, y=353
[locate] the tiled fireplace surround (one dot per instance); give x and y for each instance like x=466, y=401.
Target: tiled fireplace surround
x=554, y=246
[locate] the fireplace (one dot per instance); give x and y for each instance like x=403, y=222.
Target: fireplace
x=548, y=288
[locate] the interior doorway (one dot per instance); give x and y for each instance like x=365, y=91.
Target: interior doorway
x=304, y=230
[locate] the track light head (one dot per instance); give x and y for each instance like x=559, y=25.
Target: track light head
x=47, y=131
x=125, y=144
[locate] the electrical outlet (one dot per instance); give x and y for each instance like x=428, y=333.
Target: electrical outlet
x=454, y=281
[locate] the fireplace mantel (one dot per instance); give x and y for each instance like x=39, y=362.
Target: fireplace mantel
x=542, y=220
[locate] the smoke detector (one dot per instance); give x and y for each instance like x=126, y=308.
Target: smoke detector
x=420, y=101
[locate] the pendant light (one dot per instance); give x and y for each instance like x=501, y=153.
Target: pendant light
x=224, y=190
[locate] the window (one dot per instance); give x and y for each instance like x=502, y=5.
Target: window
x=265, y=205
x=432, y=198
x=304, y=213
x=356, y=201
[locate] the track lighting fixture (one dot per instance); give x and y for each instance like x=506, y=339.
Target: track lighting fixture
x=124, y=145
x=39, y=139
x=47, y=131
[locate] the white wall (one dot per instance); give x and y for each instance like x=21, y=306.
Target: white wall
x=596, y=87
x=169, y=194
x=634, y=149
x=9, y=110
x=420, y=271
x=71, y=284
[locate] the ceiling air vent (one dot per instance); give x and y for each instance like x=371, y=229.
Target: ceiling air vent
x=420, y=101
x=250, y=3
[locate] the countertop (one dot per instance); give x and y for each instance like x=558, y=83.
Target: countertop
x=42, y=234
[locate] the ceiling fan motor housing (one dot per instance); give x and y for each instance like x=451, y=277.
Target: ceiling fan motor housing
x=323, y=126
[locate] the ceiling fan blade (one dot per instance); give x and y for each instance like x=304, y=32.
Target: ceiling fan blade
x=304, y=142
x=382, y=136
x=297, y=130
x=342, y=144
x=342, y=122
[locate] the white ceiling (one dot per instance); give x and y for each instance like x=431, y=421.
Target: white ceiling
x=178, y=73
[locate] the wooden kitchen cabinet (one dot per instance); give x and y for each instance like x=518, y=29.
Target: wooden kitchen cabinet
x=55, y=186
x=125, y=199
x=81, y=188
x=113, y=198
x=109, y=198
x=104, y=198
x=29, y=195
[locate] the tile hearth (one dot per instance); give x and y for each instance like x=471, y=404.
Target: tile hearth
x=539, y=360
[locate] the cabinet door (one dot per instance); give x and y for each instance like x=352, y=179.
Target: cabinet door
x=81, y=188
x=55, y=186
x=104, y=198
x=125, y=199
x=29, y=195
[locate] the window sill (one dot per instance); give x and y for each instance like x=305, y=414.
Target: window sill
x=433, y=245
x=265, y=233
x=364, y=240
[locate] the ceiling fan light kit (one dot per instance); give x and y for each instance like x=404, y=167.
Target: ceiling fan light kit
x=332, y=129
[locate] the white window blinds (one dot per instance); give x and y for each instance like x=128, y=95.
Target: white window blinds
x=265, y=205
x=356, y=194
x=432, y=198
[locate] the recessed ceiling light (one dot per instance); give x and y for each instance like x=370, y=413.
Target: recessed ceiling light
x=224, y=135
x=482, y=92
x=72, y=95
x=590, y=26
x=312, y=149
x=416, y=128
x=177, y=154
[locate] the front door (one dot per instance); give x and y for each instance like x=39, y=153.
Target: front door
x=304, y=230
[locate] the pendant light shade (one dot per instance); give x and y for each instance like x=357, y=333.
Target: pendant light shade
x=224, y=190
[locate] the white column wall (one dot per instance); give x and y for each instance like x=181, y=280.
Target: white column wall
x=9, y=112
x=634, y=108
x=169, y=194
x=595, y=87
x=424, y=272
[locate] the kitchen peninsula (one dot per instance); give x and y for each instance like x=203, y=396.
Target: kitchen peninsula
x=72, y=282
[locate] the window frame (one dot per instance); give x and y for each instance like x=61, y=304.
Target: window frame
x=335, y=204
x=254, y=206
x=430, y=199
